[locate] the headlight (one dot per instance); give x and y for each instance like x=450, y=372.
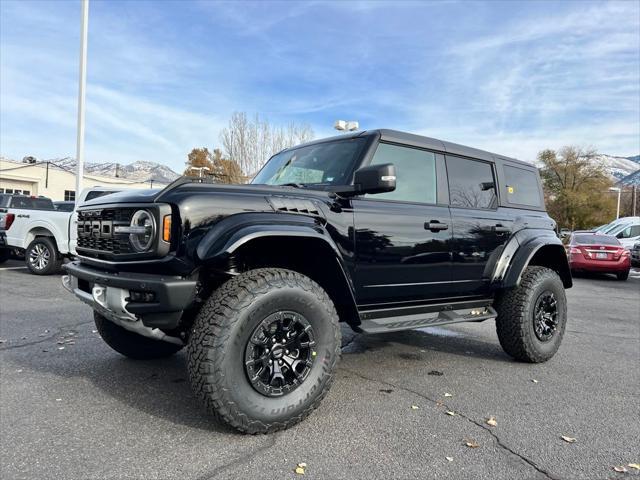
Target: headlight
x=143, y=230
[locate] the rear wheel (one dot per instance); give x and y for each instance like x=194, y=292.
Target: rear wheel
x=532, y=317
x=42, y=257
x=263, y=350
x=131, y=344
x=623, y=275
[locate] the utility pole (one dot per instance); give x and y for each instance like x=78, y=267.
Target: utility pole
x=84, y=24
x=634, y=199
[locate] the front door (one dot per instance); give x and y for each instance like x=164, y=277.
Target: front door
x=403, y=238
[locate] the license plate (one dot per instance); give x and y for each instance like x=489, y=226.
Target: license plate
x=601, y=255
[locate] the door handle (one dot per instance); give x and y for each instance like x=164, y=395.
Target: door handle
x=500, y=229
x=435, y=226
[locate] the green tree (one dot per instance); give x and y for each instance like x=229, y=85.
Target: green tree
x=576, y=187
x=199, y=158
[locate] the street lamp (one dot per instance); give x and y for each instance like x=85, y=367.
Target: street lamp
x=84, y=24
x=349, y=126
x=619, y=190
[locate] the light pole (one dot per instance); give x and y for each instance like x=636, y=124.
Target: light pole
x=84, y=24
x=619, y=190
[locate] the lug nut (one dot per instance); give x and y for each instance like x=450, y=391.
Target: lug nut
x=273, y=340
x=286, y=352
x=280, y=362
x=270, y=362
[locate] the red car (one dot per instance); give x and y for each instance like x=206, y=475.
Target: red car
x=590, y=252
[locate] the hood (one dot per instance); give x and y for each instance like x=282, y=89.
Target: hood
x=146, y=195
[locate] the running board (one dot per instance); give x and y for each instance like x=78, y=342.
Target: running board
x=419, y=320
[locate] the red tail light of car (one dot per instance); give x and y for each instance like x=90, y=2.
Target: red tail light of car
x=8, y=220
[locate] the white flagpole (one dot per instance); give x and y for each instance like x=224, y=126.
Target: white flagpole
x=84, y=24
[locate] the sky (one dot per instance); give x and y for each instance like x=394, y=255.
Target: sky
x=164, y=77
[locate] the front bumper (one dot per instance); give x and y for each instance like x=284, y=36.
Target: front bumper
x=171, y=294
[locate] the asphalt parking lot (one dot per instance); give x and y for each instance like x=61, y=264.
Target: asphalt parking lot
x=72, y=408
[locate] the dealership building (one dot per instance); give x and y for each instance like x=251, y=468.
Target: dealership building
x=57, y=183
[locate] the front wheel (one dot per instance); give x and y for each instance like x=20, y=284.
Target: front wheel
x=263, y=350
x=42, y=257
x=532, y=317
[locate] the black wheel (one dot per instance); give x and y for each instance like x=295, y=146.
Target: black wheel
x=5, y=254
x=623, y=275
x=263, y=350
x=42, y=257
x=532, y=317
x=130, y=344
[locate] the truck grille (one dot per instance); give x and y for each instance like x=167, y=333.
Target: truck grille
x=96, y=230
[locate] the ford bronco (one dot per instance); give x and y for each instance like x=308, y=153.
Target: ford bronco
x=380, y=229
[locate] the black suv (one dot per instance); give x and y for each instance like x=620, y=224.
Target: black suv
x=380, y=229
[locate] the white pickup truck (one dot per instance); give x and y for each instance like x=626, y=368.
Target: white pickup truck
x=46, y=235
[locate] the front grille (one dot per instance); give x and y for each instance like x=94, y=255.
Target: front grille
x=96, y=230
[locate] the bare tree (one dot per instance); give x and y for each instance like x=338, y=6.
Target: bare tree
x=250, y=143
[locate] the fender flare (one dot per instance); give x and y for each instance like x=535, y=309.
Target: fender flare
x=519, y=252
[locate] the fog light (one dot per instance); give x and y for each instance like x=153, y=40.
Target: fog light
x=143, y=297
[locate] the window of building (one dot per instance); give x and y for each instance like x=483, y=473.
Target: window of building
x=26, y=192
x=9, y=190
x=521, y=186
x=471, y=183
x=415, y=173
x=69, y=196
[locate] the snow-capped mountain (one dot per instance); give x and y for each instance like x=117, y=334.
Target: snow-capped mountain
x=631, y=179
x=619, y=167
x=141, y=171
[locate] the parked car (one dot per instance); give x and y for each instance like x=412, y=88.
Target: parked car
x=616, y=225
x=635, y=255
x=628, y=234
x=45, y=235
x=64, y=206
x=593, y=252
x=381, y=229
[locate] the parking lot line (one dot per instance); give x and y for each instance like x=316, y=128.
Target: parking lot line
x=12, y=268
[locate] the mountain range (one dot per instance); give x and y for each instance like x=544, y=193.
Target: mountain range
x=140, y=171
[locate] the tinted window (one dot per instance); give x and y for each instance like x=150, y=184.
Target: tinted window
x=471, y=183
x=96, y=194
x=595, y=240
x=630, y=232
x=415, y=173
x=521, y=186
x=32, y=203
x=5, y=200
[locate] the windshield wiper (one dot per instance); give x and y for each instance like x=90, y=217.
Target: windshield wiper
x=292, y=184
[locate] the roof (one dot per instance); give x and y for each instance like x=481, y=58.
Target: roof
x=406, y=138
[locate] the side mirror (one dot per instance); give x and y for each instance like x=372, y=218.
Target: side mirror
x=375, y=179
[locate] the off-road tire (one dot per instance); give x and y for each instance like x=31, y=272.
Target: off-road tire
x=622, y=276
x=5, y=254
x=54, y=259
x=515, y=321
x=219, y=337
x=131, y=344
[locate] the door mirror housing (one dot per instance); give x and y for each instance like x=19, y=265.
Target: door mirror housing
x=372, y=179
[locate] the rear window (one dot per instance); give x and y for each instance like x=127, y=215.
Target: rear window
x=595, y=240
x=32, y=203
x=4, y=200
x=521, y=186
x=96, y=194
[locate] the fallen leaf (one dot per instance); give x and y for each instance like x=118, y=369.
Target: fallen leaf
x=471, y=443
x=620, y=469
x=534, y=380
x=568, y=439
x=634, y=465
x=60, y=348
x=451, y=413
x=492, y=421
x=58, y=399
x=449, y=459
x=300, y=468
x=414, y=407
x=448, y=395
x=302, y=465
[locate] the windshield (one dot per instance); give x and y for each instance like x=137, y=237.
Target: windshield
x=328, y=163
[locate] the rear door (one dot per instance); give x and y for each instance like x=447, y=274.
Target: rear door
x=403, y=238
x=480, y=227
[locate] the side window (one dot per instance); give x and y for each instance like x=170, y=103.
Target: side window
x=521, y=186
x=415, y=173
x=630, y=232
x=471, y=183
